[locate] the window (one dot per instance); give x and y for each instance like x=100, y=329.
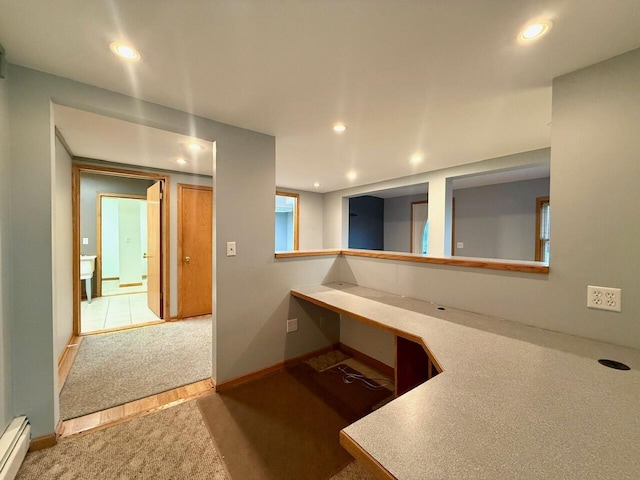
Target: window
x=543, y=222
x=287, y=218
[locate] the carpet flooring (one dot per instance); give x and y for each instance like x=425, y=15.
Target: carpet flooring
x=167, y=445
x=286, y=425
x=171, y=444
x=115, y=368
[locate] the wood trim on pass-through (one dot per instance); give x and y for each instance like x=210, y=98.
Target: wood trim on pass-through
x=528, y=267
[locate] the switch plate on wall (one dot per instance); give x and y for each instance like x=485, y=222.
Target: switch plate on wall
x=460, y=245
x=292, y=325
x=85, y=241
x=604, y=298
x=231, y=249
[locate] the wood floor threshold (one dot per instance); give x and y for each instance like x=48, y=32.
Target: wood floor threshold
x=138, y=408
x=119, y=329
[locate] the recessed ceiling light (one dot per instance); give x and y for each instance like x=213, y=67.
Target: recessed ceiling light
x=416, y=159
x=535, y=30
x=352, y=175
x=339, y=127
x=316, y=184
x=181, y=161
x=195, y=147
x=125, y=51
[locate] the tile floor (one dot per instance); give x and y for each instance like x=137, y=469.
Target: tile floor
x=112, y=287
x=115, y=311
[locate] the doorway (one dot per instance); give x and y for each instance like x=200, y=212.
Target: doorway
x=419, y=227
x=195, y=211
x=127, y=265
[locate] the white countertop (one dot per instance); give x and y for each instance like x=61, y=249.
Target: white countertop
x=513, y=402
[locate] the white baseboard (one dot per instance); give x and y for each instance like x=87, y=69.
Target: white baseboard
x=14, y=444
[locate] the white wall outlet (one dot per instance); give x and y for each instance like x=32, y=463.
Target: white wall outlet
x=604, y=298
x=292, y=325
x=459, y=244
x=231, y=249
x=85, y=241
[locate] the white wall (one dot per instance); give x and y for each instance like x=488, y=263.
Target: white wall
x=129, y=241
x=311, y=218
x=397, y=222
x=499, y=221
x=110, y=238
x=62, y=225
x=6, y=413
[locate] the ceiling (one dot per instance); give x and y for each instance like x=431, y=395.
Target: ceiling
x=98, y=137
x=446, y=79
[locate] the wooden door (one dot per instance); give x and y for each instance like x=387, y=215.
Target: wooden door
x=154, y=249
x=195, y=208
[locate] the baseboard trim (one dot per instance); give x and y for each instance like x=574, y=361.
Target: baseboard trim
x=65, y=350
x=45, y=441
x=277, y=367
x=67, y=358
x=366, y=359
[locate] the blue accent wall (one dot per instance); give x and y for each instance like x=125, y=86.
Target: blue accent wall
x=366, y=223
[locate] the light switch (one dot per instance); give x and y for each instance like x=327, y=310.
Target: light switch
x=231, y=249
x=460, y=245
x=85, y=241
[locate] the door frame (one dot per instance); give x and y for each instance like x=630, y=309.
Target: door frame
x=181, y=188
x=76, y=170
x=411, y=223
x=99, y=197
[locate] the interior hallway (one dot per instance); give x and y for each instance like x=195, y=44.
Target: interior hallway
x=116, y=311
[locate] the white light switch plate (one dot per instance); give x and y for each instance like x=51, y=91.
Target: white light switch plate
x=231, y=249
x=85, y=241
x=460, y=245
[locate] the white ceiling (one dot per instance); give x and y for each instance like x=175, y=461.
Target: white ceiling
x=445, y=78
x=95, y=136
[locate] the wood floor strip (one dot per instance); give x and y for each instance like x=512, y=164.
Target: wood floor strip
x=122, y=413
x=67, y=359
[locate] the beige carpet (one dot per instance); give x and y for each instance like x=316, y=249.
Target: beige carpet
x=171, y=444
x=115, y=368
x=167, y=445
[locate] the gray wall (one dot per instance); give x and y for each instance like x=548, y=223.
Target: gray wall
x=311, y=218
x=248, y=335
x=397, y=222
x=62, y=221
x=498, y=221
x=595, y=223
x=92, y=184
x=5, y=260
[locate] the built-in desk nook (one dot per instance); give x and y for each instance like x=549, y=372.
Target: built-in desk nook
x=502, y=400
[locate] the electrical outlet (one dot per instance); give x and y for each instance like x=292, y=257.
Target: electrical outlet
x=604, y=298
x=292, y=325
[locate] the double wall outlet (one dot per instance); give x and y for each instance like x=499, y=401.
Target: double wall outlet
x=292, y=325
x=604, y=298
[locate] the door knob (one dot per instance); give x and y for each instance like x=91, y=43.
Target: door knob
x=187, y=259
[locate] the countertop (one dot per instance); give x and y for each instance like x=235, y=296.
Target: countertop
x=512, y=402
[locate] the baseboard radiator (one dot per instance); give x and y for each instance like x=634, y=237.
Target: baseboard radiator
x=14, y=444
